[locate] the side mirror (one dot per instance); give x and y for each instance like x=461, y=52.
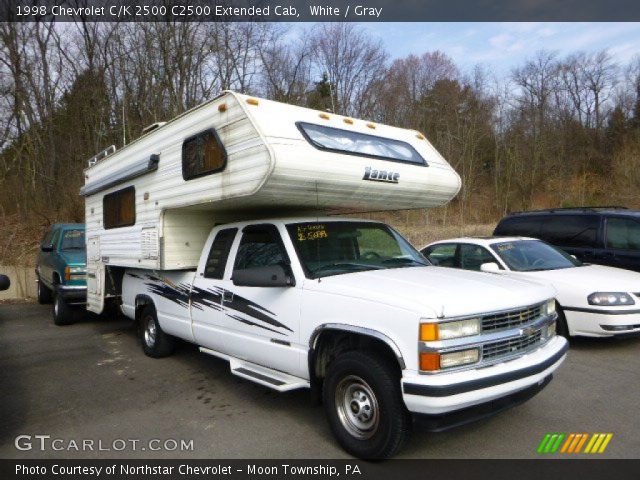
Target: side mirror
x=270, y=276
x=47, y=248
x=5, y=283
x=490, y=267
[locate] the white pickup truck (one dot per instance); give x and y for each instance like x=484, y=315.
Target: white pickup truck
x=351, y=310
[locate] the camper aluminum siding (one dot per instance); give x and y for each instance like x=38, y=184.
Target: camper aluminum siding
x=270, y=166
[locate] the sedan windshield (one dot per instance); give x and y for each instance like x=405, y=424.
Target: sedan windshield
x=72, y=240
x=334, y=248
x=533, y=256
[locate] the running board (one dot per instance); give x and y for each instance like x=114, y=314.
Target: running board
x=267, y=377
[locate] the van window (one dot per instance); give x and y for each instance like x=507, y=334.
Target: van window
x=356, y=143
x=203, y=154
x=571, y=230
x=72, y=240
x=119, y=208
x=623, y=234
x=526, y=226
x=219, y=253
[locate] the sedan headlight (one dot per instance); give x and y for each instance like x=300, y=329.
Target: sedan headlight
x=448, y=330
x=550, y=306
x=610, y=298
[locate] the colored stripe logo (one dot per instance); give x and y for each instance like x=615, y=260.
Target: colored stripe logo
x=572, y=443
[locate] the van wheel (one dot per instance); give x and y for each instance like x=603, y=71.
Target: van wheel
x=562, y=328
x=63, y=313
x=44, y=294
x=363, y=402
x=155, y=342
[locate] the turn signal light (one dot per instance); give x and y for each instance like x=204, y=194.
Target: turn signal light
x=252, y=101
x=428, y=332
x=429, y=362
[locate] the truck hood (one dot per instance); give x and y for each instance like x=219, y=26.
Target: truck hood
x=436, y=291
x=74, y=257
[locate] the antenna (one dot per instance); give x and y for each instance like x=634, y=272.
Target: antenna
x=333, y=107
x=124, y=120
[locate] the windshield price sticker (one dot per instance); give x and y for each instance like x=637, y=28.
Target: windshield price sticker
x=506, y=246
x=313, y=231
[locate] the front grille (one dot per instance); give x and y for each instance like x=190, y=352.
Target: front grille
x=510, y=319
x=511, y=346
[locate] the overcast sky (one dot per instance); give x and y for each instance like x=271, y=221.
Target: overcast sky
x=504, y=45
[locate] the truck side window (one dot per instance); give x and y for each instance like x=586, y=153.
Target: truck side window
x=203, y=154
x=623, y=234
x=219, y=253
x=260, y=247
x=119, y=208
x=528, y=226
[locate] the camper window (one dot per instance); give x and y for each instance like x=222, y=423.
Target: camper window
x=119, y=208
x=355, y=143
x=202, y=154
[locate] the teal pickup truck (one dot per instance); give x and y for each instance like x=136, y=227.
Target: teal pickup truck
x=61, y=271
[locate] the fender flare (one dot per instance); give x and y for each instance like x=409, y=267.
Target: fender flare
x=359, y=330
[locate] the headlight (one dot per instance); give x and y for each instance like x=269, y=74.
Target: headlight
x=610, y=298
x=462, y=357
x=551, y=329
x=74, y=273
x=433, y=361
x=448, y=330
x=551, y=306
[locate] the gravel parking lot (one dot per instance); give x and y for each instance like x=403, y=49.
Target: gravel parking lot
x=91, y=381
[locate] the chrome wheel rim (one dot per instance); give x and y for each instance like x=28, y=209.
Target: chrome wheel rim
x=357, y=407
x=150, y=332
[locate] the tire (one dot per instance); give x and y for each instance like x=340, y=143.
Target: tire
x=155, y=342
x=63, y=313
x=562, y=328
x=364, y=405
x=44, y=294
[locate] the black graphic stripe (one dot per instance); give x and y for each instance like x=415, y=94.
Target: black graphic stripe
x=253, y=324
x=212, y=297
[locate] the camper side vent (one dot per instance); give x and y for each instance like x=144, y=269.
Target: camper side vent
x=150, y=243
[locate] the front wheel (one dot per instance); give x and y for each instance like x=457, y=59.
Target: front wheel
x=364, y=405
x=562, y=328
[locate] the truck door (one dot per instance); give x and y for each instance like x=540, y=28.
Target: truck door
x=262, y=323
x=206, y=293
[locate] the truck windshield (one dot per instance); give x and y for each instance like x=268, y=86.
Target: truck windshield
x=72, y=240
x=533, y=256
x=335, y=248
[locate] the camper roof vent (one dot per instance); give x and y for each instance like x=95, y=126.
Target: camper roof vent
x=152, y=127
x=103, y=154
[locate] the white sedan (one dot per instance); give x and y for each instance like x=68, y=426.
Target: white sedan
x=593, y=300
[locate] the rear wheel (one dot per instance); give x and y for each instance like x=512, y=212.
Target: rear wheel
x=364, y=405
x=155, y=342
x=44, y=294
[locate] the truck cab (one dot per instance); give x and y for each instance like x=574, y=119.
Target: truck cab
x=349, y=309
x=61, y=271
